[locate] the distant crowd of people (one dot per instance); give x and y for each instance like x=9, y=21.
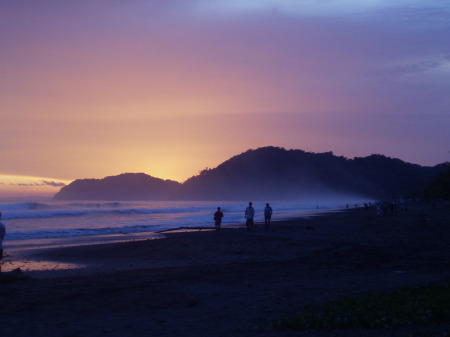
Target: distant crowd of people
x=385, y=208
x=249, y=216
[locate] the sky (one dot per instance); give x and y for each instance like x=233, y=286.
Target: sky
x=90, y=89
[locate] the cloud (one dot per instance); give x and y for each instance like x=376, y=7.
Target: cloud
x=53, y=183
x=41, y=183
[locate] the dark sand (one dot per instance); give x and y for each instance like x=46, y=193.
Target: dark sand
x=231, y=282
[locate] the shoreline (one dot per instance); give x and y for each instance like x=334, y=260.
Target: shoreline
x=231, y=282
x=35, y=258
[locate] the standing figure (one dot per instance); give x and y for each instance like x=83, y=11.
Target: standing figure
x=218, y=218
x=249, y=215
x=2, y=236
x=267, y=215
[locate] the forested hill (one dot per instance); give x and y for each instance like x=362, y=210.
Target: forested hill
x=268, y=173
x=275, y=173
x=127, y=186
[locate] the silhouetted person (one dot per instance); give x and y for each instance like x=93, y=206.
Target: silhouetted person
x=249, y=215
x=393, y=208
x=267, y=215
x=378, y=208
x=2, y=236
x=218, y=218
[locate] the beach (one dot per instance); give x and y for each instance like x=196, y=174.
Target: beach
x=231, y=282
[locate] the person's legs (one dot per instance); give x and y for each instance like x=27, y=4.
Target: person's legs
x=249, y=224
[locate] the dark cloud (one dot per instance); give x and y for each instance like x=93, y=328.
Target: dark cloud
x=53, y=183
x=41, y=183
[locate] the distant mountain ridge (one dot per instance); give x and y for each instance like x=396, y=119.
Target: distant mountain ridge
x=268, y=173
x=127, y=186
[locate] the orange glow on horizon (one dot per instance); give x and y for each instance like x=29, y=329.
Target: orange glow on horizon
x=12, y=186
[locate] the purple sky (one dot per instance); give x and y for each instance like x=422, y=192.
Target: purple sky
x=97, y=88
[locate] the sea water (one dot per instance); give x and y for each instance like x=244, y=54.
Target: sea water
x=59, y=223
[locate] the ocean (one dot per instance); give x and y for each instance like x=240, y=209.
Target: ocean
x=55, y=223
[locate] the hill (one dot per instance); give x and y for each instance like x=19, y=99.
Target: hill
x=127, y=186
x=271, y=173
x=268, y=173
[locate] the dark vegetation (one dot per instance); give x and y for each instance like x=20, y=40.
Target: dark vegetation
x=268, y=173
x=421, y=305
x=439, y=187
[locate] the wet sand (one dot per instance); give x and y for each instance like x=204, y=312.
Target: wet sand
x=231, y=282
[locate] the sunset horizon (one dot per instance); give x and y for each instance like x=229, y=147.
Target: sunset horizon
x=18, y=186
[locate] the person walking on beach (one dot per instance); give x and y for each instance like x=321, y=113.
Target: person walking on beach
x=249, y=215
x=2, y=236
x=267, y=215
x=218, y=218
